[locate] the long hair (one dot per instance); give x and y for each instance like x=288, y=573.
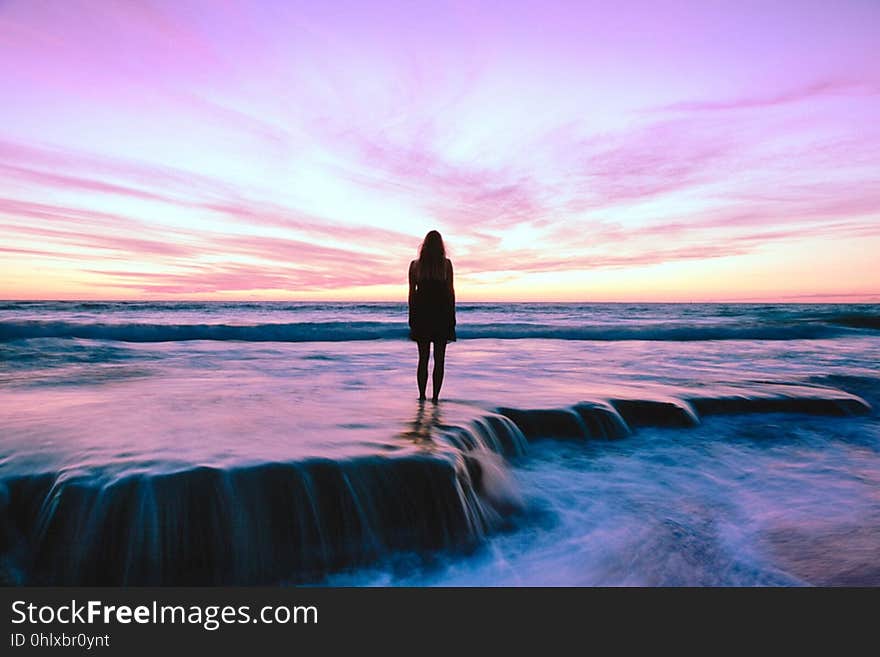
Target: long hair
x=432, y=258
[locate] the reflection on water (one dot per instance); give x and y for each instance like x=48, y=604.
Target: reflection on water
x=421, y=431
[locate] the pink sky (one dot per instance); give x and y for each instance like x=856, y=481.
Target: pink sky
x=577, y=151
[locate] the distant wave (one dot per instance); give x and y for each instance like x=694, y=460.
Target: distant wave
x=352, y=331
x=855, y=320
x=131, y=332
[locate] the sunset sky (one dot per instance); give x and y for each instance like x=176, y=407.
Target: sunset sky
x=656, y=150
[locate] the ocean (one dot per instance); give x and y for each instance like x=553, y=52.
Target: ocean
x=574, y=445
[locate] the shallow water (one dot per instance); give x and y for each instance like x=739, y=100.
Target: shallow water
x=764, y=488
x=718, y=506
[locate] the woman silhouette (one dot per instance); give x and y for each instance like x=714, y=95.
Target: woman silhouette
x=431, y=309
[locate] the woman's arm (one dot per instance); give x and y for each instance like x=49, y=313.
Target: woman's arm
x=412, y=288
x=449, y=278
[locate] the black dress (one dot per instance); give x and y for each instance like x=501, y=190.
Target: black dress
x=432, y=312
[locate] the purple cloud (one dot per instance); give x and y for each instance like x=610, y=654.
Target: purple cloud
x=805, y=93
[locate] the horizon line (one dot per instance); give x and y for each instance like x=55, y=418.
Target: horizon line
x=872, y=299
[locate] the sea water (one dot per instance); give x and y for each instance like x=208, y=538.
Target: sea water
x=574, y=444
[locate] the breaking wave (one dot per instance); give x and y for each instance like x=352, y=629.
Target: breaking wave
x=371, y=330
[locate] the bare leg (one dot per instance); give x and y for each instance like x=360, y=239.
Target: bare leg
x=439, y=363
x=422, y=370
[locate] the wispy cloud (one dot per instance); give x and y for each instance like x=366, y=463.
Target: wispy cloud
x=177, y=148
x=811, y=91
